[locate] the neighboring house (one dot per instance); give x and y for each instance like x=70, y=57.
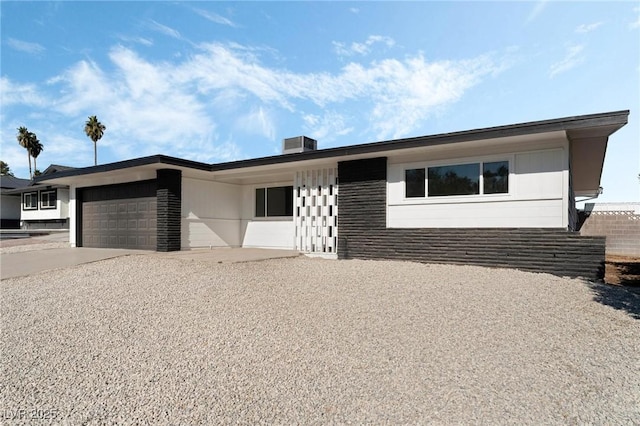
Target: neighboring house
x=619, y=222
x=500, y=196
x=43, y=206
x=10, y=201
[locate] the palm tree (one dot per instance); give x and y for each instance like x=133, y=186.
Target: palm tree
x=35, y=149
x=94, y=130
x=24, y=139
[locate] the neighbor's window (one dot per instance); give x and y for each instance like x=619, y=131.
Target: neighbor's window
x=459, y=179
x=495, y=177
x=30, y=201
x=48, y=199
x=274, y=201
x=414, y=183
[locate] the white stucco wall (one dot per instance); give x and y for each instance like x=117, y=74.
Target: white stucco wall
x=72, y=217
x=10, y=207
x=537, y=197
x=262, y=232
x=210, y=214
x=60, y=212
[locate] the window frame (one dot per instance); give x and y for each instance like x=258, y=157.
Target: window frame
x=266, y=202
x=31, y=194
x=48, y=207
x=481, y=196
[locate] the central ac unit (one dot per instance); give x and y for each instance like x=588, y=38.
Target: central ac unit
x=298, y=144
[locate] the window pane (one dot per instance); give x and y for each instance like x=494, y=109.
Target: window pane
x=260, y=202
x=496, y=177
x=31, y=200
x=280, y=201
x=460, y=179
x=414, y=183
x=48, y=199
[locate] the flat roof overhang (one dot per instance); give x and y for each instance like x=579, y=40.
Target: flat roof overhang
x=588, y=135
x=587, y=152
x=33, y=188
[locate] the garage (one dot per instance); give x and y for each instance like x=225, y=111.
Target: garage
x=120, y=216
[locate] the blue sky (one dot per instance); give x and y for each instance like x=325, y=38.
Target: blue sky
x=218, y=81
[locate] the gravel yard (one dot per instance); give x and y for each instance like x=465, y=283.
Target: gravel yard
x=147, y=339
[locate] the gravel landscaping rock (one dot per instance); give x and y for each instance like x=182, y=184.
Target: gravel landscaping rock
x=152, y=340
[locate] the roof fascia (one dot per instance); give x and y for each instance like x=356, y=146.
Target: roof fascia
x=120, y=165
x=613, y=120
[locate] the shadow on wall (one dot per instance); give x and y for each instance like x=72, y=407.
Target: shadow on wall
x=622, y=298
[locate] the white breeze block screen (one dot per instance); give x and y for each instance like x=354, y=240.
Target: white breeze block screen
x=315, y=210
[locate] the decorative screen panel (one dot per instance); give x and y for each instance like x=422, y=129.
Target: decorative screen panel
x=315, y=212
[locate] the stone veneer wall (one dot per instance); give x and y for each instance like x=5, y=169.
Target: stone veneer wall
x=619, y=223
x=169, y=195
x=363, y=234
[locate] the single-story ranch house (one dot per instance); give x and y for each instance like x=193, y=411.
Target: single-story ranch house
x=500, y=196
x=41, y=206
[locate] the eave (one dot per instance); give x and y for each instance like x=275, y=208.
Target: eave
x=586, y=132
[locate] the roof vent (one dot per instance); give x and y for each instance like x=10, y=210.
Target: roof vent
x=298, y=144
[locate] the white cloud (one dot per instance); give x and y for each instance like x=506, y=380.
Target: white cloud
x=586, y=28
x=572, y=58
x=635, y=24
x=257, y=122
x=342, y=49
x=138, y=40
x=172, y=106
x=23, y=94
x=156, y=26
x=15, y=156
x=220, y=68
x=224, y=151
x=84, y=87
x=326, y=127
x=354, y=10
x=398, y=94
x=68, y=150
x=415, y=89
x=215, y=18
x=140, y=102
x=537, y=10
x=25, y=46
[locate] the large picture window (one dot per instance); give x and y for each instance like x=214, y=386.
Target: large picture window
x=274, y=201
x=48, y=199
x=459, y=179
x=30, y=201
x=491, y=177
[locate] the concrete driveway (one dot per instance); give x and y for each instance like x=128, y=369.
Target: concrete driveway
x=30, y=262
x=34, y=261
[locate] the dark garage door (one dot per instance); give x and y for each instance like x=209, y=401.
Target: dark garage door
x=120, y=216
